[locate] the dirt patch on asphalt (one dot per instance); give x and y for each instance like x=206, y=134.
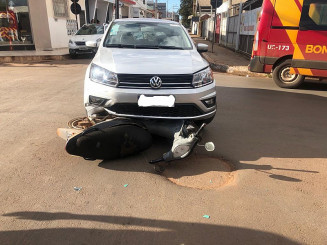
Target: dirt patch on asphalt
x=201, y=172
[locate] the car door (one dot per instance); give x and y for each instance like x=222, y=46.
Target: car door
x=310, y=58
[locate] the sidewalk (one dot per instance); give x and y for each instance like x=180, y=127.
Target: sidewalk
x=226, y=60
x=32, y=55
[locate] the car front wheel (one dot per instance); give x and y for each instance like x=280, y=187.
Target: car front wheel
x=72, y=54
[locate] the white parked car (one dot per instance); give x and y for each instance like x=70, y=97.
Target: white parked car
x=149, y=68
x=86, y=33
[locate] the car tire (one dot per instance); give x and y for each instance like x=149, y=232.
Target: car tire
x=73, y=56
x=283, y=78
x=72, y=53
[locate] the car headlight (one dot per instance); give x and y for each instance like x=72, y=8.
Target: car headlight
x=202, y=78
x=71, y=42
x=101, y=75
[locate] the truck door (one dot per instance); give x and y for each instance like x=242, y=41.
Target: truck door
x=310, y=55
x=283, y=29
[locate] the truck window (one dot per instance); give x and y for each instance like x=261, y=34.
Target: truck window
x=4, y=22
x=314, y=15
x=318, y=13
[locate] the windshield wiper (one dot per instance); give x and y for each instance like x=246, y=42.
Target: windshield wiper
x=157, y=47
x=147, y=46
x=120, y=46
x=142, y=46
x=170, y=47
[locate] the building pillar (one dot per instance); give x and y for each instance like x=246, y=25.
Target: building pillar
x=40, y=24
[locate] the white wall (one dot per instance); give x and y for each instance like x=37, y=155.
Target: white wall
x=57, y=26
x=223, y=8
x=92, y=8
x=39, y=25
x=102, y=8
x=135, y=12
x=124, y=11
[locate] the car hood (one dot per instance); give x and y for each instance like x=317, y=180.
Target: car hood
x=85, y=38
x=149, y=61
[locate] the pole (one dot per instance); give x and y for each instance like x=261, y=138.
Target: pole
x=76, y=14
x=117, y=9
x=239, y=26
x=156, y=10
x=95, y=9
x=214, y=27
x=106, y=19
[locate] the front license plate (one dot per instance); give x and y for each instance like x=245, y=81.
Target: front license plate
x=159, y=101
x=83, y=48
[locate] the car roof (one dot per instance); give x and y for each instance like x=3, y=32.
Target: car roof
x=152, y=20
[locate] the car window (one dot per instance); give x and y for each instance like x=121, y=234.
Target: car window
x=90, y=30
x=147, y=35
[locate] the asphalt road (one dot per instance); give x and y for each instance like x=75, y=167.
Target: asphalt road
x=273, y=139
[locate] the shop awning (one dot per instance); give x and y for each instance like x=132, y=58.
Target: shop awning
x=130, y=2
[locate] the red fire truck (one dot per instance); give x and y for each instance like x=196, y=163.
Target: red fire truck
x=8, y=26
x=291, y=41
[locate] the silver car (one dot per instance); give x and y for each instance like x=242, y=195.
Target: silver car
x=149, y=68
x=86, y=33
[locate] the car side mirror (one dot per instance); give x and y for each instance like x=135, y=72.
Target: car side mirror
x=201, y=47
x=91, y=44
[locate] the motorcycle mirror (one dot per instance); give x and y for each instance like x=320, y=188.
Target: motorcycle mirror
x=210, y=146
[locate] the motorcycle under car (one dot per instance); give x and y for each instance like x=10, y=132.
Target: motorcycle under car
x=120, y=137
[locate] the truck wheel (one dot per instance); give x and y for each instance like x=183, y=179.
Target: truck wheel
x=283, y=78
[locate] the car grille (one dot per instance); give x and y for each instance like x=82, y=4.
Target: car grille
x=180, y=110
x=143, y=81
x=80, y=43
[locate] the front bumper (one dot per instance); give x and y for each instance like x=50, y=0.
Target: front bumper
x=124, y=102
x=80, y=49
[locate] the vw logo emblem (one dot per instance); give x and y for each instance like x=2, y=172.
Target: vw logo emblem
x=155, y=82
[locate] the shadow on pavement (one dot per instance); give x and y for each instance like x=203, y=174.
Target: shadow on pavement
x=131, y=230
x=256, y=123
x=79, y=60
x=251, y=124
x=314, y=85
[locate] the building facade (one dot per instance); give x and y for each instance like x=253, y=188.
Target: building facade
x=49, y=24
x=162, y=8
x=37, y=25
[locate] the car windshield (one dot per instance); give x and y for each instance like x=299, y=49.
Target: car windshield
x=147, y=35
x=90, y=30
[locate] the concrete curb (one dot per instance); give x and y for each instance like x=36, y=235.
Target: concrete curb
x=32, y=58
x=215, y=66
x=235, y=70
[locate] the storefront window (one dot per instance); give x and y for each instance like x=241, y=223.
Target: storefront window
x=15, y=27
